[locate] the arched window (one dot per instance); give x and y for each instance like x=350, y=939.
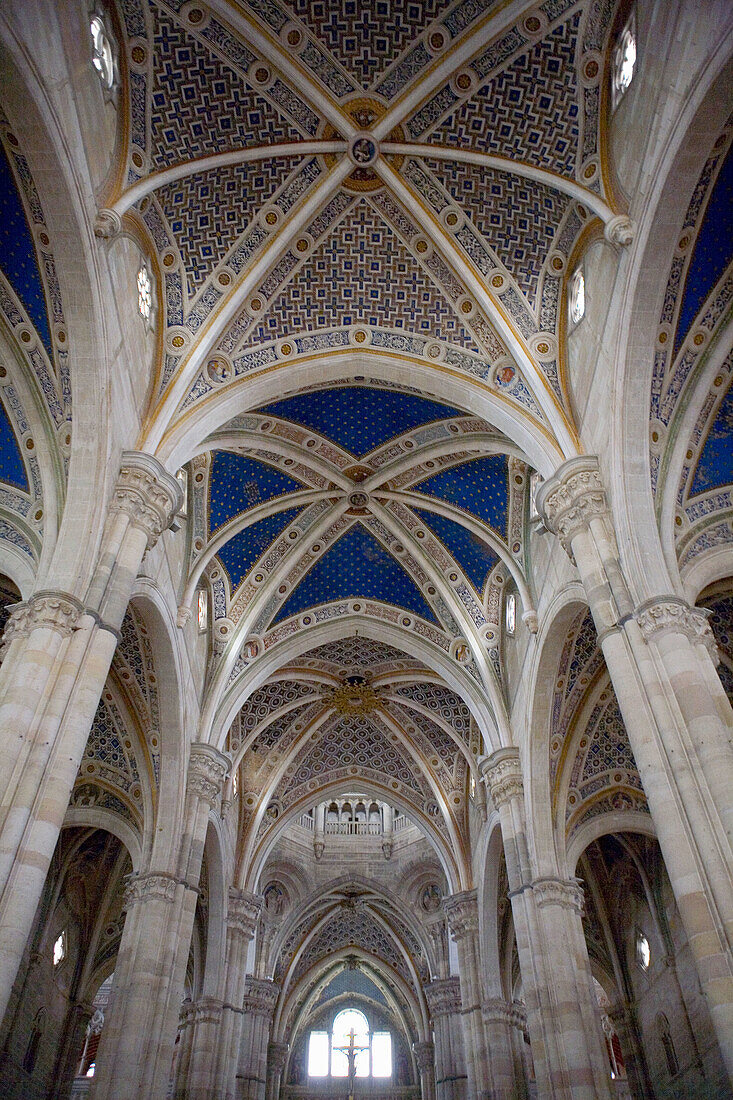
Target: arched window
x=329, y=1053
x=31, y=1051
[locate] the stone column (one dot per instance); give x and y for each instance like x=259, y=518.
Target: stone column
x=501, y=1020
x=277, y=1056
x=319, y=833
x=259, y=1005
x=136, y=1049
x=70, y=1050
x=57, y=655
x=425, y=1059
x=562, y=1016
x=461, y=912
x=243, y=914
x=196, y=1070
x=444, y=1002
x=388, y=831
x=678, y=722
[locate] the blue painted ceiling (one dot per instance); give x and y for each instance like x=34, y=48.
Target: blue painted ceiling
x=238, y=483
x=12, y=469
x=715, y=465
x=474, y=556
x=239, y=554
x=712, y=253
x=479, y=486
x=18, y=255
x=356, y=567
x=359, y=418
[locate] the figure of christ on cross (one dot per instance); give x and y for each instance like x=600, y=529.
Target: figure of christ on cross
x=351, y=1052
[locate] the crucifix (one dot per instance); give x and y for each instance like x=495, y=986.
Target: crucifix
x=351, y=1052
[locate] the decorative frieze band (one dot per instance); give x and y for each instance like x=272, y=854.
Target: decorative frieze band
x=671, y=615
x=461, y=911
x=243, y=911
x=502, y=772
x=207, y=770
x=443, y=996
x=569, y=500
x=147, y=493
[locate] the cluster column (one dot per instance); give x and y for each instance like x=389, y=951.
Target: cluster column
x=661, y=658
x=277, y=1056
x=461, y=911
x=444, y=1002
x=136, y=1049
x=260, y=999
x=243, y=913
x=57, y=653
x=502, y=1021
x=562, y=1016
x=425, y=1058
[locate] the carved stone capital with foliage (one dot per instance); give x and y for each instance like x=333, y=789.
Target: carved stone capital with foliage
x=147, y=493
x=502, y=772
x=461, y=911
x=261, y=996
x=424, y=1055
x=556, y=891
x=243, y=911
x=671, y=615
x=45, y=610
x=443, y=996
x=207, y=770
x=575, y=495
x=277, y=1054
x=157, y=886
x=511, y=1013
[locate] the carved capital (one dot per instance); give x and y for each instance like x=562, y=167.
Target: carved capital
x=620, y=230
x=45, y=610
x=183, y=615
x=424, y=1055
x=513, y=1014
x=444, y=996
x=261, y=996
x=568, y=501
x=502, y=772
x=243, y=911
x=461, y=911
x=556, y=891
x=151, y=887
x=671, y=615
x=107, y=224
x=147, y=493
x=207, y=770
x=277, y=1054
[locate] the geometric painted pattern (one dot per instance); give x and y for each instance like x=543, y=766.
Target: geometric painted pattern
x=362, y=274
x=199, y=106
x=366, y=37
x=208, y=211
x=529, y=112
x=517, y=217
x=473, y=554
x=478, y=486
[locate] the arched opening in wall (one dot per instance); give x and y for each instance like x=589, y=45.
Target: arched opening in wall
x=9, y=595
x=642, y=962
x=88, y=1060
x=64, y=980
